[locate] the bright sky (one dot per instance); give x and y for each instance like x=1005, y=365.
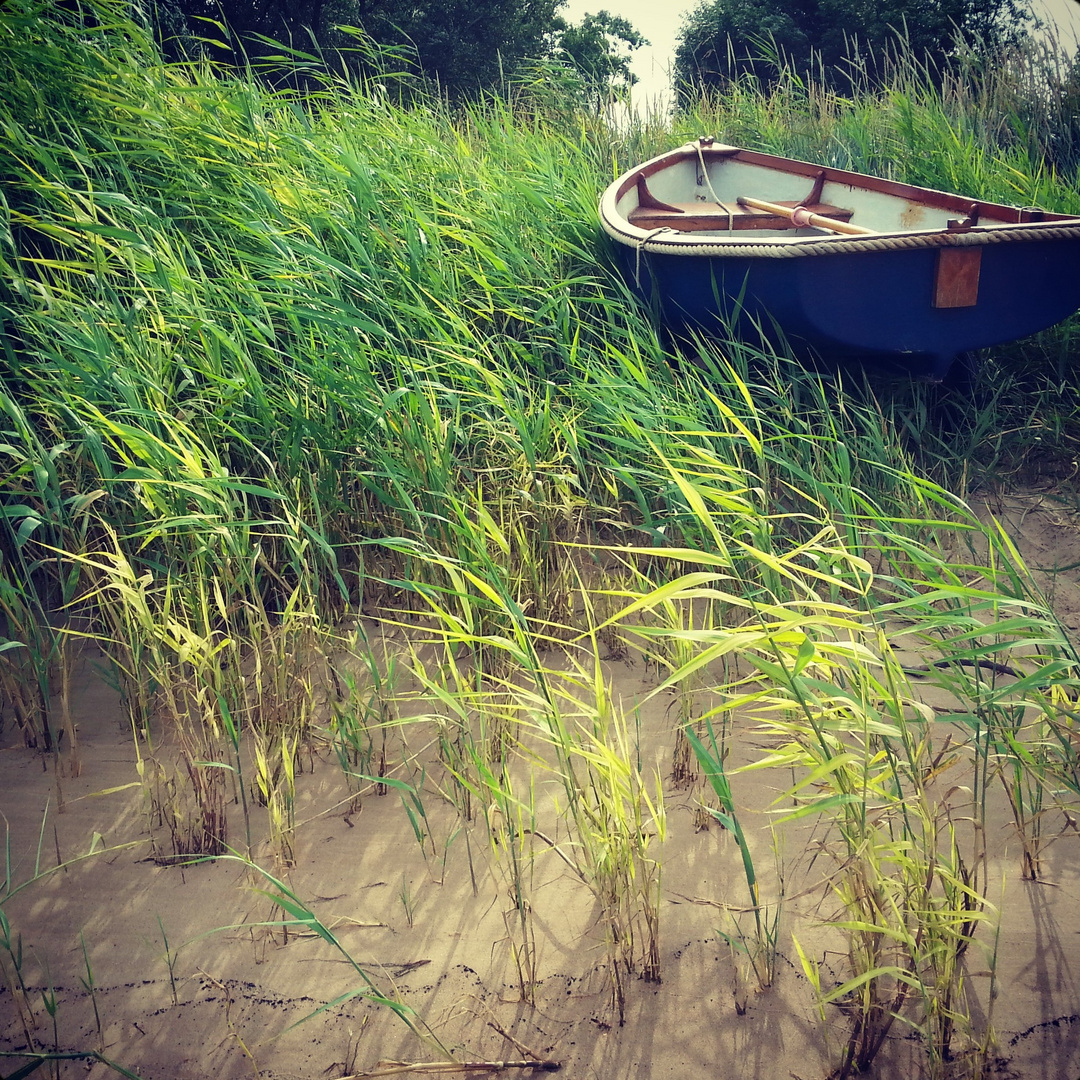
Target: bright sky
x=660, y=23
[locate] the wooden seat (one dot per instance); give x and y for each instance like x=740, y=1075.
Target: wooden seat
x=697, y=216
x=651, y=213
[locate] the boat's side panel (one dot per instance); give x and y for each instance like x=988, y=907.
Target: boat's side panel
x=677, y=184
x=945, y=201
x=878, y=302
x=877, y=210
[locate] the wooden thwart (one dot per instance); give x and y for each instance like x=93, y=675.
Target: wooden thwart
x=699, y=216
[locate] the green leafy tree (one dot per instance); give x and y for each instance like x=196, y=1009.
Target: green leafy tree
x=463, y=45
x=722, y=39
x=295, y=22
x=599, y=49
x=239, y=31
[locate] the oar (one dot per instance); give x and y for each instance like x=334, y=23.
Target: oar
x=801, y=217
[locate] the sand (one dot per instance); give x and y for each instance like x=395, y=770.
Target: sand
x=431, y=927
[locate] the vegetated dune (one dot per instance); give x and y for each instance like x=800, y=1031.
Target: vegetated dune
x=412, y=654
x=185, y=969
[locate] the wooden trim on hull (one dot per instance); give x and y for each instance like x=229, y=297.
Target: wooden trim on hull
x=956, y=277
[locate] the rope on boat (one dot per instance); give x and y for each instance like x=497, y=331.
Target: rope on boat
x=1029, y=232
x=640, y=245
x=712, y=191
x=705, y=172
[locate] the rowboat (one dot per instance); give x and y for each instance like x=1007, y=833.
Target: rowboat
x=836, y=262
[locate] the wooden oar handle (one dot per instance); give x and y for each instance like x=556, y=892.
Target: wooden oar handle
x=802, y=217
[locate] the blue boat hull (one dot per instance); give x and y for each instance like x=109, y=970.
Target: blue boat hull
x=876, y=303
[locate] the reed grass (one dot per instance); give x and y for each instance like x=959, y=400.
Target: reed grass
x=277, y=362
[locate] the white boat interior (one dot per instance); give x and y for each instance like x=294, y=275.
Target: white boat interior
x=700, y=193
